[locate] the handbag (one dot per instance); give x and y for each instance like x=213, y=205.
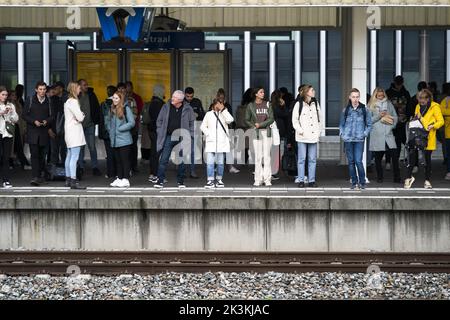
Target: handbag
x=275, y=134
x=10, y=127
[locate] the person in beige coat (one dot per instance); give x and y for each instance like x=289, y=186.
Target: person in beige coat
x=307, y=123
x=73, y=134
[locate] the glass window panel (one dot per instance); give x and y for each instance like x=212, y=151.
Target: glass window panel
x=385, y=58
x=437, y=58
x=33, y=56
x=310, y=51
x=237, y=73
x=411, y=51
x=8, y=56
x=31, y=78
x=260, y=57
x=260, y=66
x=333, y=78
x=59, y=76
x=285, y=66
x=58, y=56
x=8, y=79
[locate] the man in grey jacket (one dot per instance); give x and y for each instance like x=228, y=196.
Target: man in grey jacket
x=175, y=114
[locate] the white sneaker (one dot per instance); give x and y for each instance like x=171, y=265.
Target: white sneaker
x=297, y=180
x=409, y=182
x=257, y=184
x=233, y=169
x=220, y=184
x=124, y=183
x=306, y=179
x=115, y=183
x=388, y=166
x=415, y=169
x=26, y=167
x=268, y=183
x=427, y=185
x=447, y=176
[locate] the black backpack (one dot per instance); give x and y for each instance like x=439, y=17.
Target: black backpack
x=418, y=137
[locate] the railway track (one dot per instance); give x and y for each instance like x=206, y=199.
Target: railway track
x=148, y=262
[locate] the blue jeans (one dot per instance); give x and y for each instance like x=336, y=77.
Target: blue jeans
x=354, y=152
x=164, y=161
x=71, y=162
x=89, y=135
x=447, y=153
x=312, y=160
x=211, y=159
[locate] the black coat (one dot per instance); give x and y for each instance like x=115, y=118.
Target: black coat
x=154, y=107
x=33, y=111
x=96, y=112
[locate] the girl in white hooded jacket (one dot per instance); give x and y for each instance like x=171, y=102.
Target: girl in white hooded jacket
x=215, y=128
x=308, y=126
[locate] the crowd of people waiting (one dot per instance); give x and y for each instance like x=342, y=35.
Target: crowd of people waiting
x=58, y=122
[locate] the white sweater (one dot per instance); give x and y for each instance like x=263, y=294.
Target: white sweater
x=216, y=138
x=308, y=125
x=11, y=116
x=73, y=128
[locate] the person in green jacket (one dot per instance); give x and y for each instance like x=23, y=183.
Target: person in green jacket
x=259, y=117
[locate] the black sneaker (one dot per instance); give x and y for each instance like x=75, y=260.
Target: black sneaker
x=158, y=185
x=312, y=185
x=75, y=184
x=220, y=184
x=209, y=184
x=301, y=184
x=362, y=186
x=354, y=187
x=275, y=177
x=181, y=185
x=35, y=182
x=96, y=172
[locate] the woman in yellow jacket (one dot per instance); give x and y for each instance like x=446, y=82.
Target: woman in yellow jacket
x=429, y=114
x=445, y=109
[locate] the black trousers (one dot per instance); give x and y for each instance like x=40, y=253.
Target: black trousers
x=134, y=152
x=413, y=161
x=58, y=150
x=5, y=152
x=394, y=155
x=38, y=154
x=154, y=156
x=18, y=147
x=122, y=160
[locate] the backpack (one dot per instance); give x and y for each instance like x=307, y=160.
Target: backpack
x=417, y=135
x=60, y=119
x=300, y=107
x=347, y=110
x=289, y=162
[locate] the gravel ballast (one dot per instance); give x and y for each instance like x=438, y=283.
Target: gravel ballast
x=266, y=286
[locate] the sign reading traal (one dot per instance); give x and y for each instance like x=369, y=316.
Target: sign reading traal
x=138, y=28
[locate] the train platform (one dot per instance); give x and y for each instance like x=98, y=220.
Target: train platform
x=240, y=217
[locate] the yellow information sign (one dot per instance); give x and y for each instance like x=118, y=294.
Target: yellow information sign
x=100, y=69
x=204, y=71
x=148, y=69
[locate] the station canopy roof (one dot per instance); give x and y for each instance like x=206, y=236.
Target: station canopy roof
x=221, y=3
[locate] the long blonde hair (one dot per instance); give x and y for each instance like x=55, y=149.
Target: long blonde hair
x=373, y=99
x=304, y=90
x=72, y=89
x=119, y=110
